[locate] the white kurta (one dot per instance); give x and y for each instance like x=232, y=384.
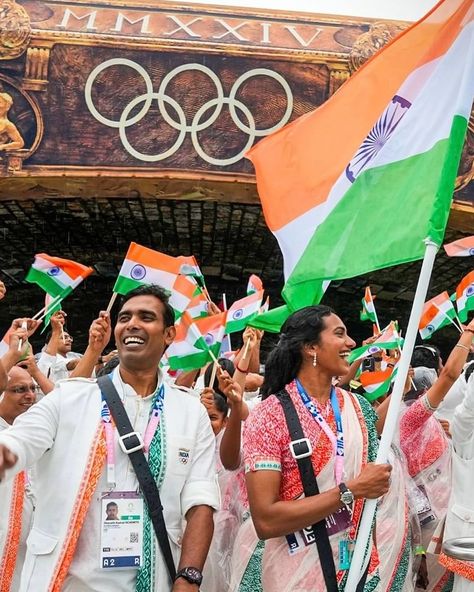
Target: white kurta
x=460, y=516
x=60, y=432
x=6, y=492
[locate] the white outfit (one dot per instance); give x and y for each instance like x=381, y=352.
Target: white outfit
x=55, y=367
x=6, y=501
x=61, y=433
x=460, y=517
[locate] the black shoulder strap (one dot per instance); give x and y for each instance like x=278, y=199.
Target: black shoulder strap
x=302, y=451
x=132, y=445
x=310, y=487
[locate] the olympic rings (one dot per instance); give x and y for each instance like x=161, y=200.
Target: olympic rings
x=182, y=125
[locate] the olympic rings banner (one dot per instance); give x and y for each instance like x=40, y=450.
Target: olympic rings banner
x=203, y=119
x=169, y=110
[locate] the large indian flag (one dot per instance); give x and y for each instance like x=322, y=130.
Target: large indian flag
x=359, y=183
x=57, y=276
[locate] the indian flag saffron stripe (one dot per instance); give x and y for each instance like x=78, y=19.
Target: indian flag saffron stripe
x=389, y=339
x=436, y=314
x=368, y=307
x=255, y=284
x=57, y=276
x=376, y=384
x=243, y=311
x=464, y=247
x=396, y=129
x=144, y=266
x=465, y=296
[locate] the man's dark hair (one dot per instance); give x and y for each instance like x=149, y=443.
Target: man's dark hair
x=49, y=334
x=111, y=505
x=158, y=292
x=428, y=356
x=108, y=367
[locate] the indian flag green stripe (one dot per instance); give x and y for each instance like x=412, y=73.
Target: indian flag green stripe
x=46, y=282
x=373, y=207
x=124, y=285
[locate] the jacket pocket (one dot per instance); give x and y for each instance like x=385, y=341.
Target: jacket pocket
x=463, y=513
x=41, y=543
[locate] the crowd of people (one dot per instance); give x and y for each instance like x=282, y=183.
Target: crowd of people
x=119, y=475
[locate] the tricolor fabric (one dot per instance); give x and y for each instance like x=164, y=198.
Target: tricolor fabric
x=465, y=296
x=368, y=307
x=198, y=306
x=51, y=305
x=463, y=247
x=255, y=284
x=389, y=339
x=195, y=339
x=437, y=313
x=5, y=343
x=360, y=183
x=376, y=384
x=243, y=311
x=144, y=266
x=189, y=266
x=56, y=276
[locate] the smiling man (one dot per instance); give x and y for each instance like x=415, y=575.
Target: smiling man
x=82, y=467
x=16, y=495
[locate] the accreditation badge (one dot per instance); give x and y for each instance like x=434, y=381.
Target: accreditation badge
x=121, y=541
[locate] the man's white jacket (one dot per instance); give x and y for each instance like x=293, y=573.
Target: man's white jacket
x=61, y=434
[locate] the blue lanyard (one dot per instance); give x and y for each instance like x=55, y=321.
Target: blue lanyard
x=337, y=440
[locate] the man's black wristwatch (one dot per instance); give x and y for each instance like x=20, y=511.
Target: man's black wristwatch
x=192, y=574
x=346, y=497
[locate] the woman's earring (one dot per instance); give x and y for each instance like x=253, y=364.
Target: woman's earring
x=315, y=359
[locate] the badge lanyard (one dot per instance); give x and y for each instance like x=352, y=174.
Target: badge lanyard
x=153, y=422
x=337, y=441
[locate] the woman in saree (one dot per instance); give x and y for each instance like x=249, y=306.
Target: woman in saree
x=341, y=429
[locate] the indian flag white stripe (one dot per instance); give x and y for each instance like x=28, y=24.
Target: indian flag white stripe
x=147, y=275
x=55, y=273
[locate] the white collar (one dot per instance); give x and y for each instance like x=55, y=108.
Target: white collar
x=125, y=390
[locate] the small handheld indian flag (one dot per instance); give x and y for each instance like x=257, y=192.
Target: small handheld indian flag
x=464, y=247
x=368, y=308
x=389, y=339
x=465, y=296
x=144, y=266
x=195, y=340
x=243, y=311
x=56, y=276
x=255, y=284
x=376, y=384
x=437, y=313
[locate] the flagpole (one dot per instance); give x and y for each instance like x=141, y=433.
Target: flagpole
x=375, y=312
x=224, y=302
x=53, y=302
x=111, y=301
x=391, y=421
x=449, y=318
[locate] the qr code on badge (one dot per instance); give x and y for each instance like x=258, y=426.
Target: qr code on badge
x=134, y=537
